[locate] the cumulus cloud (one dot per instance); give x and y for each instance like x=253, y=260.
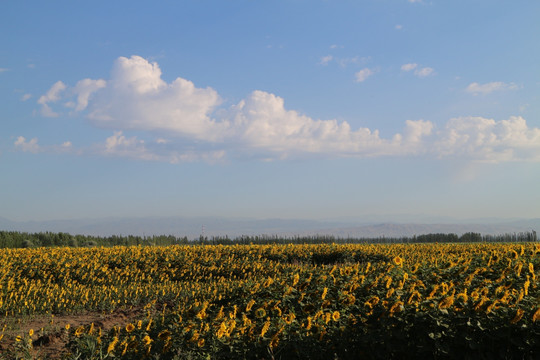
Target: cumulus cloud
x=489, y=140
x=119, y=145
x=418, y=71
x=27, y=145
x=32, y=146
x=84, y=89
x=326, y=59
x=137, y=98
x=423, y=72
x=178, y=122
x=53, y=95
x=409, y=67
x=476, y=88
x=261, y=121
x=363, y=74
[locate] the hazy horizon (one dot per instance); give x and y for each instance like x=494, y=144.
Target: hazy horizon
x=218, y=226
x=270, y=110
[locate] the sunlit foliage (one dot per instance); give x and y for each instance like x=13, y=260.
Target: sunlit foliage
x=289, y=301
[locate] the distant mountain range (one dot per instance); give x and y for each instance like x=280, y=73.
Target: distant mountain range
x=214, y=226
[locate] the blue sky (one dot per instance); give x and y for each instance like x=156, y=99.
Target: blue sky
x=270, y=109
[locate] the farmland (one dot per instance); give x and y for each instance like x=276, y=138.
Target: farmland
x=288, y=301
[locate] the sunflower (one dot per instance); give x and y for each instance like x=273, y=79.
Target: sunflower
x=374, y=300
x=325, y=291
x=398, y=261
x=397, y=307
x=164, y=335
x=519, y=315
x=463, y=295
x=250, y=305
x=79, y=331
x=309, y=323
x=336, y=315
x=112, y=345
x=349, y=300
x=130, y=327
x=147, y=340
x=260, y=313
x=446, y=302
x=265, y=328
x=536, y=316
x=327, y=317
x=290, y=318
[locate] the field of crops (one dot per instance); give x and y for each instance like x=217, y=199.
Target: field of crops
x=272, y=301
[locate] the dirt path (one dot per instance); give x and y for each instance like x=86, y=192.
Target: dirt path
x=50, y=335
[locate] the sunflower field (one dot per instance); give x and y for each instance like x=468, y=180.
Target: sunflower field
x=326, y=301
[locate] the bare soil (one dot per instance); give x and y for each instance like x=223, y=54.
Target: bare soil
x=50, y=335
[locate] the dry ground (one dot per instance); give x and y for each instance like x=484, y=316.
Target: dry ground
x=50, y=343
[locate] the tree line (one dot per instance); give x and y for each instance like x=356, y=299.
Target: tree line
x=15, y=239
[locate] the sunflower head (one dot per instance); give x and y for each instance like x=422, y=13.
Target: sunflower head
x=130, y=327
x=260, y=313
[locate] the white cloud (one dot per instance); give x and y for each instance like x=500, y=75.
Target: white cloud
x=137, y=98
x=398, y=27
x=420, y=72
x=423, y=72
x=408, y=67
x=26, y=97
x=261, y=122
x=27, y=146
x=3, y=70
x=476, y=88
x=326, y=59
x=485, y=139
x=118, y=145
x=53, y=95
x=363, y=74
x=416, y=130
x=32, y=146
x=84, y=90
x=180, y=122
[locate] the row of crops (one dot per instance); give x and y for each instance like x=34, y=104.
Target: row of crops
x=284, y=301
